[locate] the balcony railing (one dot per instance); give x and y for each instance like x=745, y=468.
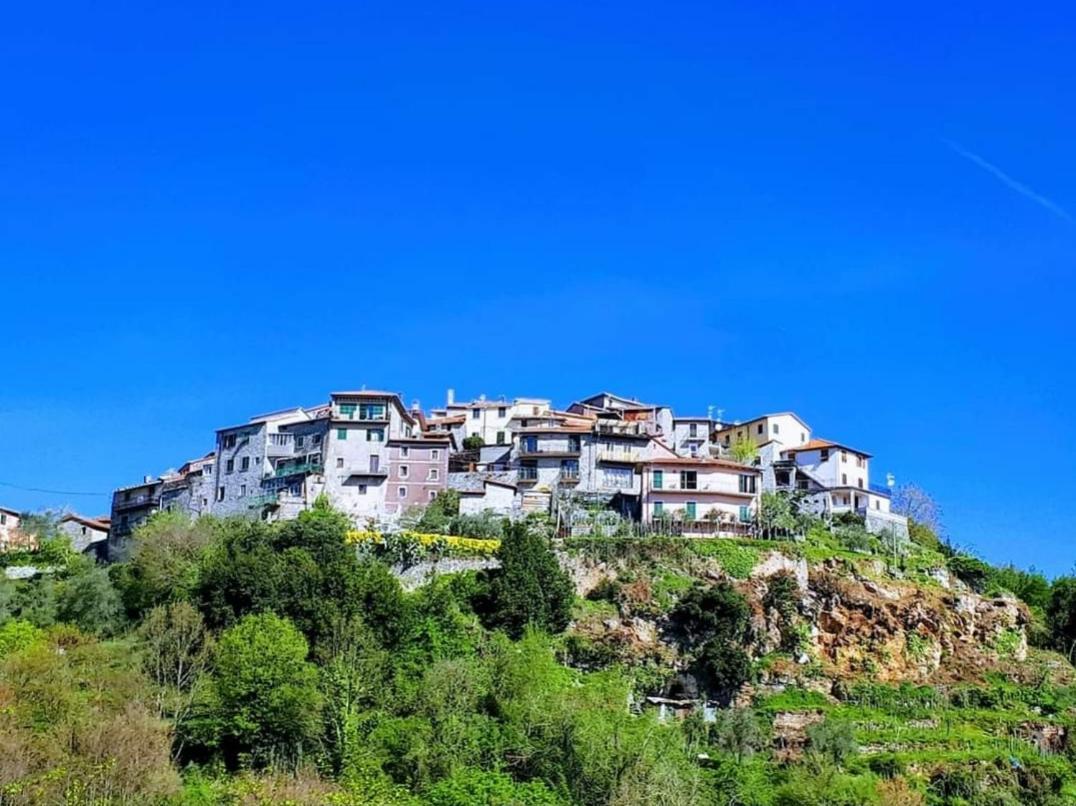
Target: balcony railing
x=361, y=415
x=303, y=469
x=568, y=477
x=528, y=474
x=538, y=453
x=265, y=500
x=134, y=502
x=624, y=457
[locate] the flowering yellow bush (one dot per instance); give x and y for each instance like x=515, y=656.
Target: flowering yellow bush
x=469, y=545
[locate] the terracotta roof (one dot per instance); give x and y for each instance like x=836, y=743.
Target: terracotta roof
x=91, y=522
x=444, y=420
x=556, y=429
x=818, y=444
x=701, y=461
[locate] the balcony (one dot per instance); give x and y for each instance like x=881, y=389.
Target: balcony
x=280, y=445
x=265, y=500
x=304, y=469
x=549, y=453
x=364, y=414
x=134, y=502
x=620, y=457
x=528, y=475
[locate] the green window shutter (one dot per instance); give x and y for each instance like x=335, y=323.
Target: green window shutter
x=659, y=478
x=341, y=433
x=691, y=509
x=659, y=509
x=745, y=514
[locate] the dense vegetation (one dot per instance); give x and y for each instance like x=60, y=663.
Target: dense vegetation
x=243, y=662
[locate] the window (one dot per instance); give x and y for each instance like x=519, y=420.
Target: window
x=375, y=435
x=689, y=480
x=257, y=460
x=803, y=437
x=694, y=450
x=691, y=510
x=317, y=439
x=3, y=518
x=659, y=479
x=299, y=441
x=405, y=471
x=569, y=468
x=228, y=441
x=860, y=482
x=760, y=428
x=375, y=464
x=432, y=494
x=747, y=484
x=500, y=437
x=435, y=454
x=404, y=450
x=745, y=514
x=844, y=478
x=205, y=503
x=824, y=453
x=877, y=504
x=844, y=457
x=502, y=412
x=433, y=474
x=341, y=433
x=659, y=509
x=244, y=463
x=476, y=413
x=347, y=410
x=372, y=411
x=362, y=489
x=242, y=491
x=229, y=466
x=401, y=492
x=693, y=430
x=220, y=493
x=340, y=462
x=207, y=470
x=574, y=444
x=776, y=428
x=530, y=445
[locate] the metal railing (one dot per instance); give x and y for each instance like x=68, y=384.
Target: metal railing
x=302, y=469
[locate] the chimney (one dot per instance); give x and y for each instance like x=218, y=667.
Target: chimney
x=450, y=397
x=147, y=479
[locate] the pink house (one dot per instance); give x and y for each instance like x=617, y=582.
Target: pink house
x=417, y=471
x=700, y=494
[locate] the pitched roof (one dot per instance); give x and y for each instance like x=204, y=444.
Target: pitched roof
x=818, y=444
x=93, y=523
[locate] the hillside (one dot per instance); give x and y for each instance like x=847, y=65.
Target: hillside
x=471, y=661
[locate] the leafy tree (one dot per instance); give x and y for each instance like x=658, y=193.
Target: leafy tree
x=437, y=516
x=176, y=650
x=776, y=514
x=164, y=560
x=715, y=621
x=266, y=692
x=831, y=740
x=1061, y=614
x=530, y=589
x=473, y=442
x=743, y=450
x=90, y=601
x=1030, y=586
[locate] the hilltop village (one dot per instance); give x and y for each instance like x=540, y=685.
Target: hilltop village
x=377, y=459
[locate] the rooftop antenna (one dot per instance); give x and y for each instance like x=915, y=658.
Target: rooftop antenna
x=710, y=412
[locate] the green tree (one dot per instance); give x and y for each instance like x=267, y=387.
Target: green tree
x=743, y=450
x=776, y=514
x=468, y=786
x=266, y=693
x=530, y=589
x=714, y=622
x=164, y=560
x=89, y=600
x=1061, y=615
x=473, y=443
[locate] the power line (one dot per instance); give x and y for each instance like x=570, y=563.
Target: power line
x=42, y=490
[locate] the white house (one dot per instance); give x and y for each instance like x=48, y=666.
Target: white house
x=9, y=526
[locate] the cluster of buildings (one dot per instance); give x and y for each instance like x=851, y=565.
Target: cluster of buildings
x=376, y=458
x=88, y=535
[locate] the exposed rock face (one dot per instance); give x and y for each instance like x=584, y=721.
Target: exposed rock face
x=790, y=733
x=902, y=632
x=853, y=623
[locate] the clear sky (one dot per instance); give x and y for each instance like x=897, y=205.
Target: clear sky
x=865, y=216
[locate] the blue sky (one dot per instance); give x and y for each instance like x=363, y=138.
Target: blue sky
x=864, y=216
